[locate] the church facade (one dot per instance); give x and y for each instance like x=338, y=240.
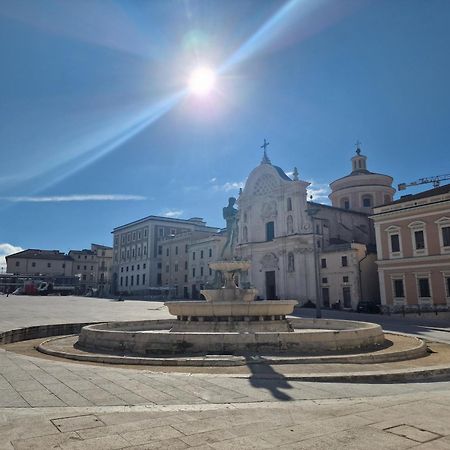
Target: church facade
x=294, y=243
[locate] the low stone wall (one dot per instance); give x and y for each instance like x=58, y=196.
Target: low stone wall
x=41, y=331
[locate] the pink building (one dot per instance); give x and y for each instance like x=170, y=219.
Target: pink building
x=413, y=247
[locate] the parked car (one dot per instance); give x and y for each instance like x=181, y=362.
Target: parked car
x=368, y=307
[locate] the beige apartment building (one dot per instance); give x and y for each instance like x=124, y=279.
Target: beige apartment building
x=35, y=262
x=202, y=252
x=176, y=263
x=348, y=275
x=413, y=246
x=85, y=268
x=138, y=252
x=104, y=256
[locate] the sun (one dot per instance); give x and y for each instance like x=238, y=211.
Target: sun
x=202, y=81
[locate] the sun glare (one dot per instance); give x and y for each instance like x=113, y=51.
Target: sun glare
x=202, y=81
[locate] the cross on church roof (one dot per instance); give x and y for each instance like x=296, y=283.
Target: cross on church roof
x=358, y=147
x=265, y=159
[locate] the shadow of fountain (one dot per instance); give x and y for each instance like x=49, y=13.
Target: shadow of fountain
x=264, y=376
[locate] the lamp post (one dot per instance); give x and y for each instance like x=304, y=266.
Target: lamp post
x=312, y=212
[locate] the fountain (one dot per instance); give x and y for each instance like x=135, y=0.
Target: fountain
x=230, y=321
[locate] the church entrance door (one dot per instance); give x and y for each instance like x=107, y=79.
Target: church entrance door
x=271, y=292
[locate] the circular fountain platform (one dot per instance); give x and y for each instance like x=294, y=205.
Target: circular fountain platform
x=306, y=336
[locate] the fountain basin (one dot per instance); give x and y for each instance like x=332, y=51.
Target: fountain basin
x=229, y=294
x=309, y=336
x=231, y=309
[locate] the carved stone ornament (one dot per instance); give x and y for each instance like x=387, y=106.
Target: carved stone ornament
x=269, y=261
x=269, y=210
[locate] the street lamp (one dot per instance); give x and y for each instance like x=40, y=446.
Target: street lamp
x=312, y=212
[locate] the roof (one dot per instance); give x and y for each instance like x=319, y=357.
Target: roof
x=33, y=253
x=282, y=173
x=192, y=221
x=429, y=193
x=351, y=211
x=104, y=247
x=361, y=172
x=85, y=251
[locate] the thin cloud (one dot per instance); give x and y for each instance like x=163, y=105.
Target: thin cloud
x=174, y=213
x=229, y=186
x=74, y=198
x=319, y=192
x=5, y=250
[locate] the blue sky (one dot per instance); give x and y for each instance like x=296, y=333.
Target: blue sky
x=96, y=128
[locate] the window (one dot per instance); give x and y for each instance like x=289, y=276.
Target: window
x=138, y=267
x=139, y=251
x=137, y=280
x=50, y=265
x=145, y=249
x=323, y=263
x=291, y=262
x=290, y=225
x=395, y=243
x=129, y=237
x=445, y=236
x=121, y=269
x=210, y=252
x=143, y=278
x=185, y=265
x=289, y=204
x=139, y=235
x=63, y=265
x=324, y=280
x=193, y=272
x=144, y=266
x=201, y=254
x=145, y=235
x=127, y=269
x=345, y=279
x=399, y=291
x=193, y=256
x=17, y=263
x=186, y=248
x=419, y=240
x=345, y=203
x=92, y=267
x=134, y=235
x=176, y=250
x=132, y=280
x=367, y=201
x=132, y=268
x=447, y=285
x=33, y=264
x=167, y=251
x=210, y=271
x=78, y=267
x=245, y=233
x=201, y=271
x=167, y=268
x=159, y=249
x=158, y=279
x=347, y=297
x=344, y=261
x=121, y=281
x=185, y=278
x=424, y=287
x=84, y=277
x=176, y=267
x=128, y=254
x=270, y=231
x=159, y=265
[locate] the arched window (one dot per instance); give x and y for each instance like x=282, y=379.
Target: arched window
x=289, y=204
x=290, y=225
x=345, y=203
x=291, y=262
x=367, y=201
x=245, y=234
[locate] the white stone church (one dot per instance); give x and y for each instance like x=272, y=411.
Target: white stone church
x=278, y=228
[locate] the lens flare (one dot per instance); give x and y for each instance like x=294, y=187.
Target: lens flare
x=202, y=81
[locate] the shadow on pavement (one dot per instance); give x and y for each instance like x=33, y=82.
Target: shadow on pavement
x=265, y=376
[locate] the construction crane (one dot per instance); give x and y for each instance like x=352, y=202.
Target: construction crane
x=436, y=180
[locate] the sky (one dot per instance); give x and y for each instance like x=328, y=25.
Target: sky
x=98, y=127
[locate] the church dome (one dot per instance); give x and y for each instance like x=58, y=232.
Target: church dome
x=361, y=190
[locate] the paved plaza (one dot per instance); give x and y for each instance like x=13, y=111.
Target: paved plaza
x=49, y=403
